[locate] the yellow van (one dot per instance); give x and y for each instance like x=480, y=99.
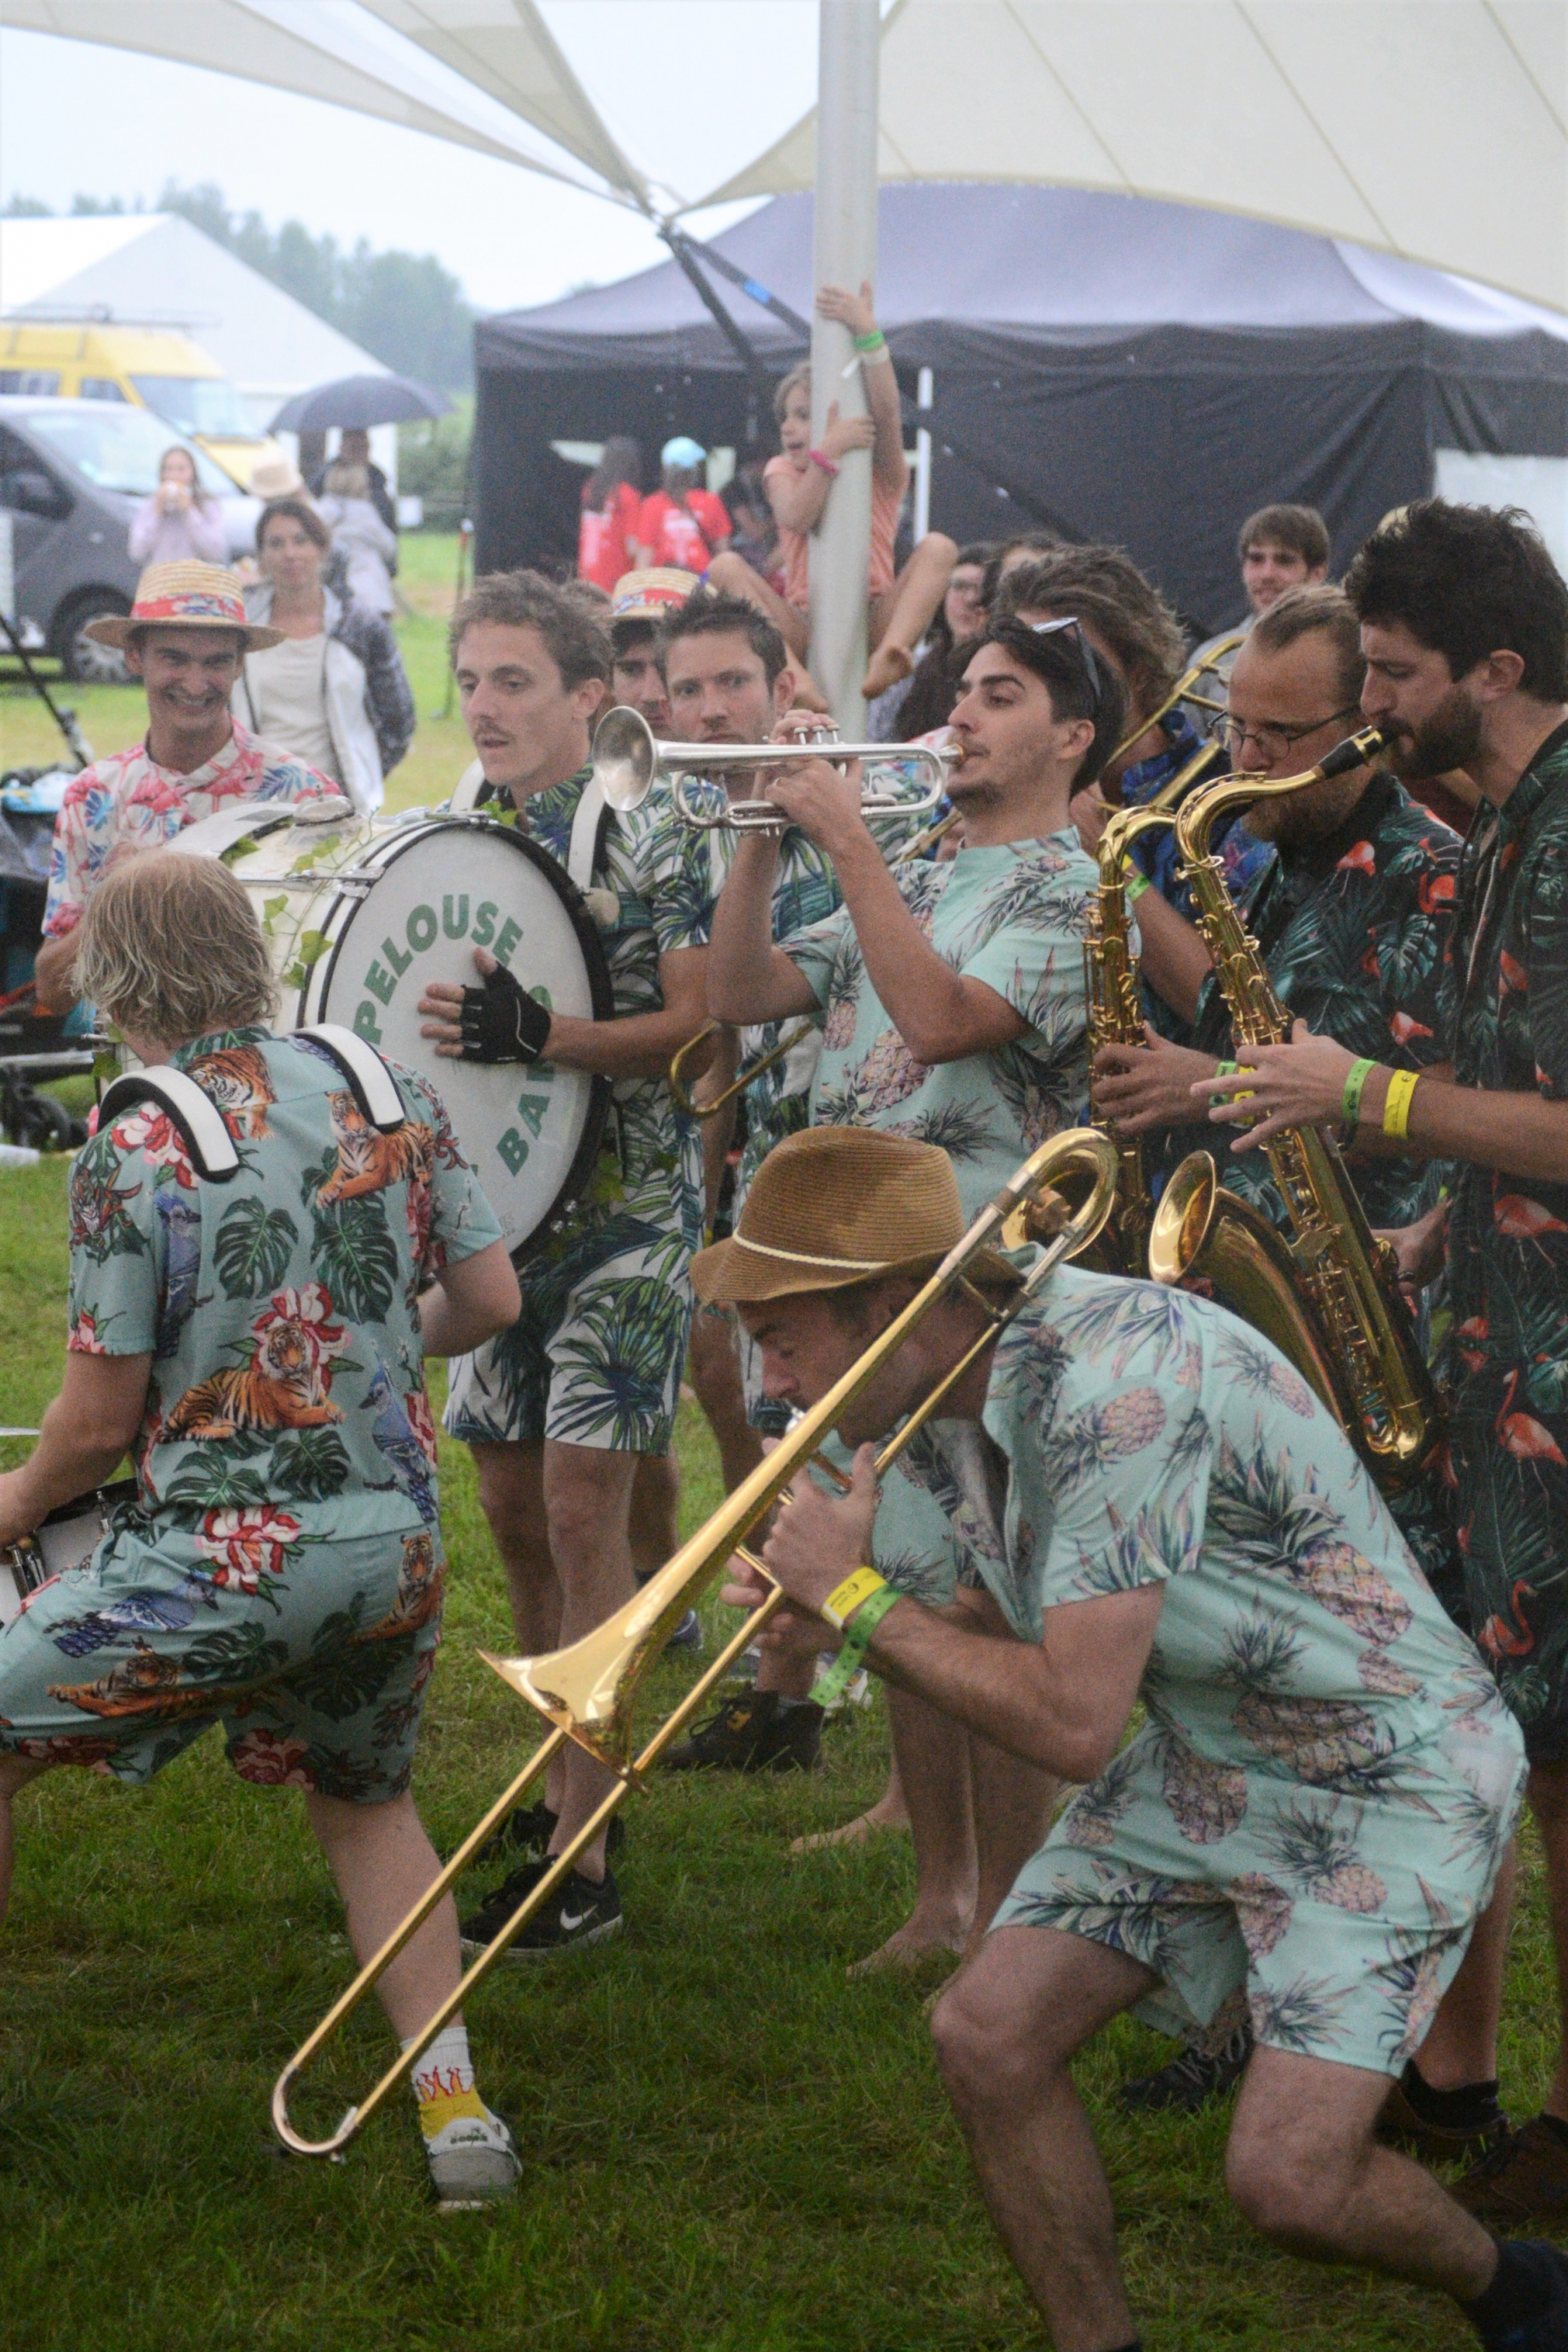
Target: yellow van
x=149, y=367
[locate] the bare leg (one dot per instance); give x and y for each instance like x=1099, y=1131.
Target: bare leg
x=512, y=1496
x=655, y=1507
x=588, y=1503
x=933, y=1755
x=713, y=1371
x=900, y=618
x=1006, y=2028
x=1461, y=2046
x=1304, y=2168
x=381, y=1862
x=734, y=577
x=1013, y=1803
x=1549, y=1802
x=15, y=1771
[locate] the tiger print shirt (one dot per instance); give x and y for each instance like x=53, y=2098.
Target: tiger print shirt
x=286, y=1399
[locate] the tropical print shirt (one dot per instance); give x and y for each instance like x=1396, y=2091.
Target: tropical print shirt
x=127, y=801
x=1134, y=1434
x=1014, y=917
x=1508, y=1250
x=286, y=1405
x=656, y=872
x=1356, y=931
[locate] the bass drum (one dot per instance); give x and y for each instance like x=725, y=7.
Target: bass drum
x=362, y=913
x=66, y=1538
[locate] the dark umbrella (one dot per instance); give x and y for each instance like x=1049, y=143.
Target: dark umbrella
x=357, y=402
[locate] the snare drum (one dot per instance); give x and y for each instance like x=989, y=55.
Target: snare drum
x=362, y=913
x=67, y=1539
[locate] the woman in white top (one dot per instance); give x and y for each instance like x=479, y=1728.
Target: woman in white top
x=334, y=692
x=179, y=523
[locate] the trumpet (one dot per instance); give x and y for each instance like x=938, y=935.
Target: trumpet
x=628, y=759
x=684, y=1098
x=588, y=1691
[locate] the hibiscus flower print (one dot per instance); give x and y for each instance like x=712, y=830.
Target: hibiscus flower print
x=312, y=1310
x=246, y=1544
x=270, y=1760
x=84, y=1339
x=155, y=1135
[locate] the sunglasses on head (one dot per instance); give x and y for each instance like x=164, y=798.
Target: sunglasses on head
x=1070, y=628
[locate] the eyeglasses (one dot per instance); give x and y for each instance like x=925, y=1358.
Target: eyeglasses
x=1073, y=631
x=1271, y=739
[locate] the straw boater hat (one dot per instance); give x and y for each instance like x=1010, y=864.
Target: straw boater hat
x=186, y=597
x=836, y=1205
x=648, y=596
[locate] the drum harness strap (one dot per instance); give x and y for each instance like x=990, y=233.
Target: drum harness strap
x=200, y=1123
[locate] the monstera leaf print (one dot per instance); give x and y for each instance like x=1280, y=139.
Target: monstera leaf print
x=309, y=1466
x=252, y=1247
x=356, y=1256
x=619, y=1357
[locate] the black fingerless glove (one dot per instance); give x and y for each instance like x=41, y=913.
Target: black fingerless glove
x=502, y=1023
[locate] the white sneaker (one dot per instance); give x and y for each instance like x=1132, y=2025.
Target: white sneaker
x=471, y=2163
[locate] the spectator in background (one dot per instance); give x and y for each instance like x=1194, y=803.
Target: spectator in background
x=369, y=549
x=680, y=525
x=612, y=505
x=1277, y=548
x=1007, y=554
x=924, y=700
x=640, y=602
x=755, y=540
x=334, y=690
x=354, y=449
x=179, y=523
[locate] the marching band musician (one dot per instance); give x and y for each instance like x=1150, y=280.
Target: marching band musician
x=561, y=1407
x=953, y=1007
x=1464, y=626
x=1121, y=1467
x=279, y=1571
x=186, y=637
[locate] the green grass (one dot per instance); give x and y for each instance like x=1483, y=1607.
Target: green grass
x=113, y=715
x=727, y=2147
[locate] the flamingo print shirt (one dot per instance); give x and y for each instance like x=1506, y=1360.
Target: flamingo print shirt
x=1013, y=917
x=1507, y=1253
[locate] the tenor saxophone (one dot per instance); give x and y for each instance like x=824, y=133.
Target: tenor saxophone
x=1111, y=982
x=1347, y=1275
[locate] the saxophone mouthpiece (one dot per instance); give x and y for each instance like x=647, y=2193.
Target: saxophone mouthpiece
x=1355, y=752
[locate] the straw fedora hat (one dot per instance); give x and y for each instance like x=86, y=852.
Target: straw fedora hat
x=186, y=597
x=836, y=1205
x=648, y=596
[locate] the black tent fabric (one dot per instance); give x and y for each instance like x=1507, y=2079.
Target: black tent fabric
x=1147, y=371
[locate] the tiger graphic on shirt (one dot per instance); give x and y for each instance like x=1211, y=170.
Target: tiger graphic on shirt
x=237, y=1079
x=282, y=1384
x=367, y=1161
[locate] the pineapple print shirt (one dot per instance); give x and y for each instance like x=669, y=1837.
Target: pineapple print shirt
x=1013, y=917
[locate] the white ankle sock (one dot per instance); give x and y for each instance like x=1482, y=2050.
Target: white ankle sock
x=445, y=2092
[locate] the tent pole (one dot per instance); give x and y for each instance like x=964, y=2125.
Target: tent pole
x=845, y=253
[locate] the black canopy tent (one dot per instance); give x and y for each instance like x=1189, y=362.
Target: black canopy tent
x=1147, y=371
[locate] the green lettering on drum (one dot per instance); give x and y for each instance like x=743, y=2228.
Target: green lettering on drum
x=510, y=934
x=485, y=922
x=531, y=1110
x=512, y=1150
x=395, y=956
x=455, y=930
x=420, y=929
x=380, y=983
x=365, y=1021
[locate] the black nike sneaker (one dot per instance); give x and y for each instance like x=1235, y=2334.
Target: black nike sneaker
x=578, y=1914
x=527, y=1832
x=752, y=1733
x=1191, y=2081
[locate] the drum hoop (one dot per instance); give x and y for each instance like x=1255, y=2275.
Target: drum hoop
x=600, y=990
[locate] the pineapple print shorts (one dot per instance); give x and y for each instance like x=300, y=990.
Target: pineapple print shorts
x=1338, y=1921
x=313, y=1656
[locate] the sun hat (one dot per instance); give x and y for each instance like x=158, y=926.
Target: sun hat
x=648, y=596
x=836, y=1205
x=682, y=451
x=186, y=597
x=276, y=477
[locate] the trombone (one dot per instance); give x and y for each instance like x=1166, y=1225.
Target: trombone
x=628, y=759
x=1182, y=691
x=685, y=1100
x=588, y=1691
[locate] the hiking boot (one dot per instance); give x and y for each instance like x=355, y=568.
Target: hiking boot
x=1405, y=2124
x=471, y=2164
x=752, y=1733
x=1191, y=2081
x=527, y=1832
x=578, y=1914
x=1525, y=2180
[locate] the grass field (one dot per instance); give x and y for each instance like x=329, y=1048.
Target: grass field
x=727, y=2147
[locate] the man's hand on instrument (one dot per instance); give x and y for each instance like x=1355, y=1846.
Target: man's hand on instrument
x=823, y=800
x=1140, y=1088
x=822, y=1535
x=1089, y=813
x=1418, y=1249
x=498, y=1022
x=1281, y=1087
x=799, y=725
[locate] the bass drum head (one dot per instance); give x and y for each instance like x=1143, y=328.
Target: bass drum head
x=431, y=895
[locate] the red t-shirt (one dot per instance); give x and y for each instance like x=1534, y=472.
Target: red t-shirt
x=689, y=536
x=604, y=536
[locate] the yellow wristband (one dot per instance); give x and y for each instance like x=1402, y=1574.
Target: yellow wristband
x=1402, y=1086
x=845, y=1599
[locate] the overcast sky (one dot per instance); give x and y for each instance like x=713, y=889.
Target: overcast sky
x=690, y=88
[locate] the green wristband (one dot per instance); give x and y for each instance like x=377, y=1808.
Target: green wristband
x=1355, y=1079
x=1224, y=1069
x=1135, y=887
x=832, y=1684
x=869, y=345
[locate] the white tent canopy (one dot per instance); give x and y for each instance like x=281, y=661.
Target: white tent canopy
x=1437, y=129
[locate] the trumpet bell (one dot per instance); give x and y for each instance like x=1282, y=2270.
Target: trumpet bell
x=625, y=758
